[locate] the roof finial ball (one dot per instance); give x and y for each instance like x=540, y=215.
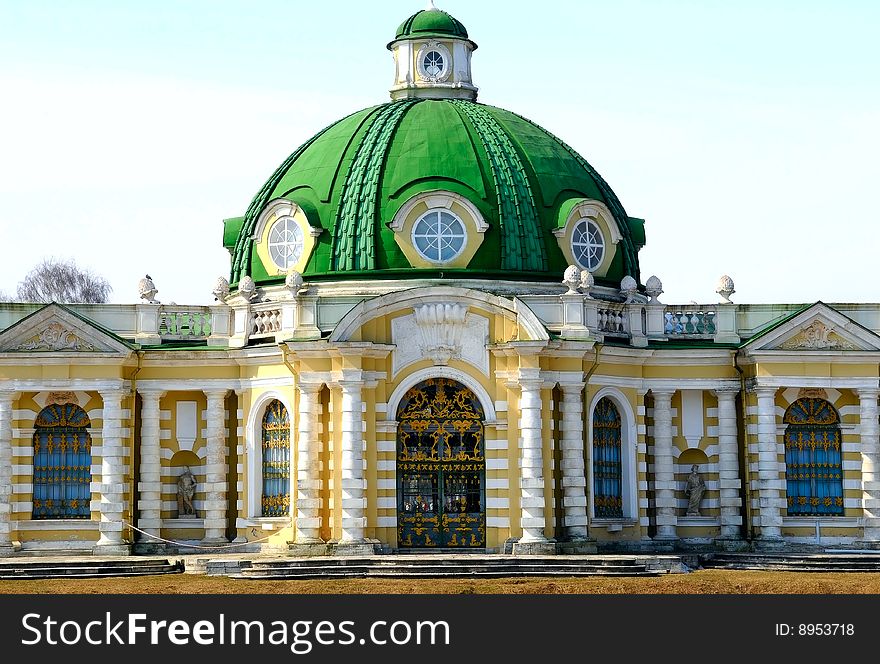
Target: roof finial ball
x=572, y=278
x=629, y=287
x=725, y=289
x=654, y=289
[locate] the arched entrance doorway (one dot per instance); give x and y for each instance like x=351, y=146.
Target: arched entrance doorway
x=441, y=467
x=62, y=463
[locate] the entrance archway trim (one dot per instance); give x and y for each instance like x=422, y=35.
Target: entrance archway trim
x=441, y=372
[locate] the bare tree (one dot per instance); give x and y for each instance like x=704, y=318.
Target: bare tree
x=55, y=280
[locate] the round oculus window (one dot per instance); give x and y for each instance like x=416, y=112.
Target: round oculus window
x=285, y=243
x=434, y=64
x=587, y=245
x=439, y=236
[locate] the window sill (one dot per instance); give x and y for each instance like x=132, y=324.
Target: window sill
x=55, y=524
x=614, y=525
x=824, y=521
x=265, y=522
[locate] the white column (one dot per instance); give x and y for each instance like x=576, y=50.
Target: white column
x=728, y=464
x=769, y=484
x=869, y=432
x=215, y=469
x=308, y=481
x=352, y=462
x=150, y=484
x=574, y=479
x=6, y=400
x=664, y=466
x=112, y=476
x=531, y=456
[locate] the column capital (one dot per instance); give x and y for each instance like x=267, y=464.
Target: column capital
x=726, y=392
x=153, y=392
x=868, y=392
x=116, y=393
x=216, y=393
x=662, y=392
x=571, y=389
x=9, y=395
x=310, y=388
x=763, y=390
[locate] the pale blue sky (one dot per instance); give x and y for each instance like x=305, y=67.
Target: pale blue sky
x=746, y=133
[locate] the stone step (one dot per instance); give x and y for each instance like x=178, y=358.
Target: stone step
x=83, y=562
x=465, y=562
x=794, y=568
x=795, y=562
x=68, y=569
x=256, y=570
x=798, y=563
x=5, y=576
x=441, y=574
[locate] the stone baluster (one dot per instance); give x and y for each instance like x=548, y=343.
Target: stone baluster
x=728, y=465
x=215, y=469
x=664, y=467
x=769, y=484
x=150, y=484
x=574, y=480
x=112, y=503
x=7, y=398
x=308, y=481
x=869, y=433
x=352, y=441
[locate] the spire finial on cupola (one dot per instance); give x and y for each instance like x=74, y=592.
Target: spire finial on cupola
x=433, y=56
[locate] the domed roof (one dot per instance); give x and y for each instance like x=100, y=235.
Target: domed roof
x=352, y=178
x=431, y=23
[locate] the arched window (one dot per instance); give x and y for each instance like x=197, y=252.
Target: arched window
x=276, y=460
x=813, y=472
x=62, y=463
x=607, y=466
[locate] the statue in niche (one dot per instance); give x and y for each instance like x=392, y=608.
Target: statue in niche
x=694, y=490
x=186, y=491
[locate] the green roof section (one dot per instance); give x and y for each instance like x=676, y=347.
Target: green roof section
x=522, y=239
x=353, y=177
x=430, y=23
x=354, y=243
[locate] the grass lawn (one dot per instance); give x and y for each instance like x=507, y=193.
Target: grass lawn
x=701, y=582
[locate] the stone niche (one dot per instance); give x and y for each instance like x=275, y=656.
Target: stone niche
x=179, y=462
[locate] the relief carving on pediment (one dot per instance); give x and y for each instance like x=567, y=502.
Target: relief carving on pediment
x=55, y=337
x=818, y=336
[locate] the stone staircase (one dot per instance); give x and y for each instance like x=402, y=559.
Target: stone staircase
x=452, y=567
x=794, y=562
x=86, y=568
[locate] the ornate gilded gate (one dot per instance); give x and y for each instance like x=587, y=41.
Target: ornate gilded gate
x=441, y=467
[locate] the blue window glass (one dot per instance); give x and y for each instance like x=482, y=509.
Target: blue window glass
x=276, y=461
x=607, y=469
x=813, y=470
x=62, y=463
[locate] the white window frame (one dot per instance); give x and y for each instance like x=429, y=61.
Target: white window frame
x=254, y=446
x=574, y=251
x=628, y=456
x=458, y=220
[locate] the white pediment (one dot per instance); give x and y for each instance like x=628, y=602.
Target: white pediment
x=55, y=329
x=818, y=328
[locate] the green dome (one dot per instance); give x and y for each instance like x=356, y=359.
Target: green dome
x=431, y=23
x=354, y=176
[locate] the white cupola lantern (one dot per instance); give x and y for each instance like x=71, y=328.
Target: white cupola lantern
x=432, y=55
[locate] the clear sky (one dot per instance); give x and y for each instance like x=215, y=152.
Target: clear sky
x=746, y=133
